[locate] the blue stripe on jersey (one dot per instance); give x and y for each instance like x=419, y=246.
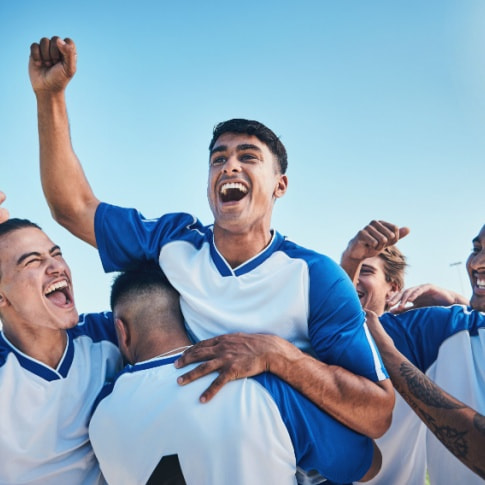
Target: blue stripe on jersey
x=418, y=334
x=96, y=326
x=145, y=246
x=342, y=455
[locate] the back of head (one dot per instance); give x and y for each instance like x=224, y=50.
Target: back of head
x=257, y=129
x=394, y=266
x=146, y=300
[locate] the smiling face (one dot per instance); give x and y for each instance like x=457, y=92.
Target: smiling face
x=35, y=283
x=244, y=181
x=475, y=266
x=372, y=286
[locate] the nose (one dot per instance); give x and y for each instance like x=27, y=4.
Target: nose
x=232, y=165
x=55, y=266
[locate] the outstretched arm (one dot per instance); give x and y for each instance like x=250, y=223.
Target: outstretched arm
x=3, y=212
x=359, y=403
x=52, y=65
x=449, y=419
x=369, y=242
x=424, y=295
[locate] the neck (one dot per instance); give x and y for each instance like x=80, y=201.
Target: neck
x=160, y=344
x=237, y=248
x=47, y=346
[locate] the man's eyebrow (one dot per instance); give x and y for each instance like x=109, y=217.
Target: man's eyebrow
x=27, y=255
x=220, y=148
x=248, y=146
x=476, y=240
x=36, y=253
x=239, y=148
x=54, y=249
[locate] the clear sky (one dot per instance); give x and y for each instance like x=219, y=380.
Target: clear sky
x=381, y=105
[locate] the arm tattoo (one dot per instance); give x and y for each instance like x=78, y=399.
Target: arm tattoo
x=425, y=390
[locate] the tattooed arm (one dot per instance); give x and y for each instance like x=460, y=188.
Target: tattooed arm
x=460, y=428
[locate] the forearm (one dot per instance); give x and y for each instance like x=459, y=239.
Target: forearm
x=351, y=266
x=460, y=428
x=359, y=403
x=65, y=186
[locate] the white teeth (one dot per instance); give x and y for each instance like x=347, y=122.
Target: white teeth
x=233, y=185
x=56, y=286
x=481, y=283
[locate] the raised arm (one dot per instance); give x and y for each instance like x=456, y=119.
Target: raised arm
x=52, y=65
x=359, y=403
x=448, y=418
x=3, y=212
x=369, y=242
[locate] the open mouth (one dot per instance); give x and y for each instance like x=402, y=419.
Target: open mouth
x=59, y=293
x=232, y=192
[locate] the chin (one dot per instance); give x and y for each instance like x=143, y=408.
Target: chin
x=478, y=303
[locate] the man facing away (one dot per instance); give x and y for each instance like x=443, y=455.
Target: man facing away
x=256, y=431
x=235, y=276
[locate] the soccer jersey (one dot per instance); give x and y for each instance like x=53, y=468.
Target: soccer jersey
x=285, y=290
x=403, y=449
x=255, y=431
x=448, y=344
x=44, y=412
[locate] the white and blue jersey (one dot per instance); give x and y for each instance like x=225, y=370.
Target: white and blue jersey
x=44, y=412
x=285, y=290
x=448, y=345
x=255, y=431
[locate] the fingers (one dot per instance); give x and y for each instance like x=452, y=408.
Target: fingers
x=3, y=212
x=204, y=369
x=383, y=234
x=199, y=352
x=49, y=52
x=404, y=300
x=198, y=372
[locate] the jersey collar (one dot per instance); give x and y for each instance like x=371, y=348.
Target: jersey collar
x=225, y=269
x=40, y=369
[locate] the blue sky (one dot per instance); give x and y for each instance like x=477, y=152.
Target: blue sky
x=380, y=104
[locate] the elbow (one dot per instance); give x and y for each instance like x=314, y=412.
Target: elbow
x=384, y=419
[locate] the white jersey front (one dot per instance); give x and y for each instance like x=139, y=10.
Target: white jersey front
x=44, y=412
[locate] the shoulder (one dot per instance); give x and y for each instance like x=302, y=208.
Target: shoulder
x=97, y=326
x=419, y=333
x=316, y=262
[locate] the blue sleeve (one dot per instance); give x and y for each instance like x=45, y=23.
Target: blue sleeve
x=418, y=334
x=321, y=443
x=336, y=324
x=98, y=326
x=125, y=238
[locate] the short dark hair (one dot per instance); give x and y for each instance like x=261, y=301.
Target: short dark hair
x=141, y=280
x=394, y=265
x=257, y=129
x=14, y=224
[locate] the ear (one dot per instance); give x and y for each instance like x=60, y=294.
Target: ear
x=281, y=186
x=124, y=338
x=3, y=300
x=392, y=290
